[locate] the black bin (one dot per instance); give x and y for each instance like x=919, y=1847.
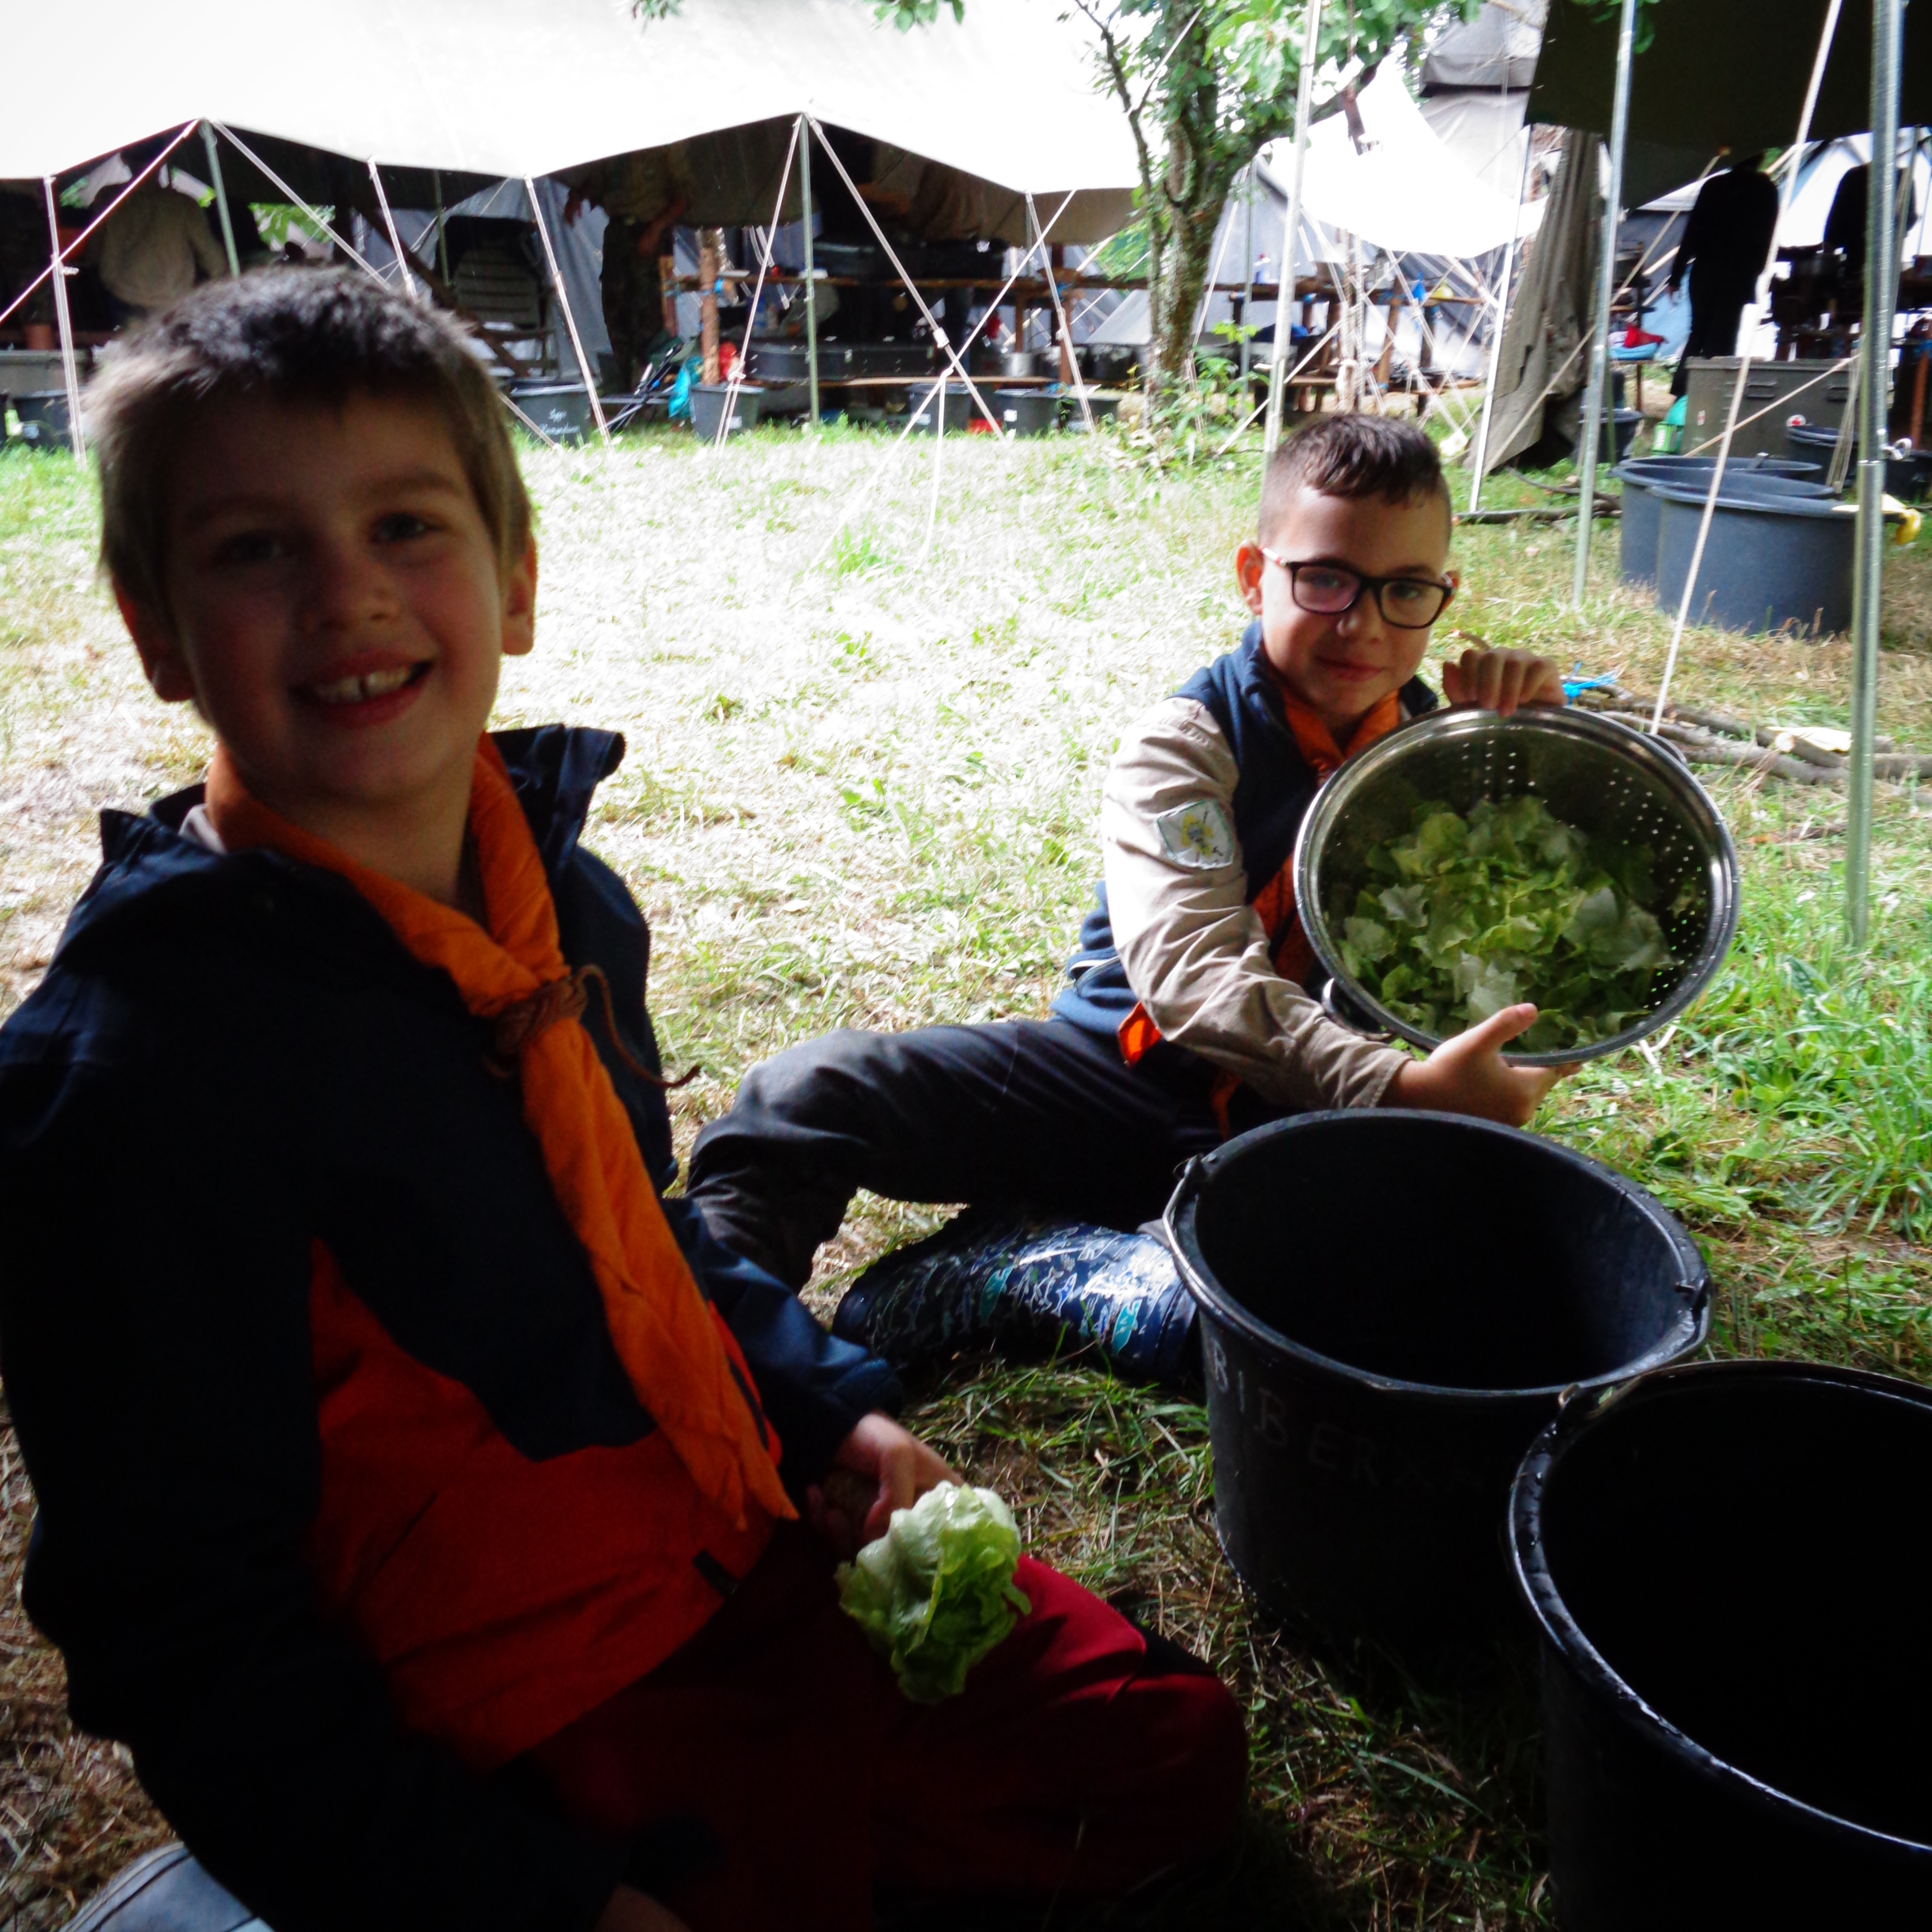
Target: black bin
x=1026, y=411
x=44, y=418
x=949, y=405
x=1726, y=1562
x=1391, y=1303
x=708, y=404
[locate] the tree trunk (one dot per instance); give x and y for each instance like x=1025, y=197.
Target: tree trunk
x=1173, y=295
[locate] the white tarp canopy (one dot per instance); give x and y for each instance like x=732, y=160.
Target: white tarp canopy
x=510, y=88
x=1403, y=190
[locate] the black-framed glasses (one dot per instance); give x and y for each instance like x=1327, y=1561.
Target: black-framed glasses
x=1409, y=603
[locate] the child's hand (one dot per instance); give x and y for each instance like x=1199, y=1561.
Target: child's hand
x=632, y=1911
x=1467, y=1075
x=879, y=1468
x=1499, y=681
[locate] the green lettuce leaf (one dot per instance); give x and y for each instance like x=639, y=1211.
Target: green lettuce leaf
x=936, y=1592
x=1463, y=915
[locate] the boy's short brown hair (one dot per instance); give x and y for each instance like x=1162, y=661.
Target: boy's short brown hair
x=1352, y=456
x=288, y=335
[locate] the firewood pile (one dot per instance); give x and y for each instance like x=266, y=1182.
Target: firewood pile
x=1716, y=738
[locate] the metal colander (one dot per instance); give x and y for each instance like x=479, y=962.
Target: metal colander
x=1601, y=777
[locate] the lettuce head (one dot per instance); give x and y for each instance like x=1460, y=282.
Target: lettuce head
x=936, y=1592
x=1465, y=914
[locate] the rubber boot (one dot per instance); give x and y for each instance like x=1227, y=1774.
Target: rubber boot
x=1011, y=1282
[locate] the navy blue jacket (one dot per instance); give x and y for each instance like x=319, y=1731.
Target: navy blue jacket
x=229, y=1057
x=1276, y=787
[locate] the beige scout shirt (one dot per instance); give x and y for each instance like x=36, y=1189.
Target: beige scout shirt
x=151, y=245
x=1193, y=949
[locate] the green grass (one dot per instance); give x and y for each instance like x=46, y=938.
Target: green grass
x=861, y=791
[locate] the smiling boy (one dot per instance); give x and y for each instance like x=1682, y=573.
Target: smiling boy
x=1188, y=1014
x=418, y=1493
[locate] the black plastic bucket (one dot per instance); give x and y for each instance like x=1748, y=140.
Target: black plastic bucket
x=1725, y=1563
x=1026, y=411
x=1391, y=1303
x=1771, y=559
x=1637, y=526
x=1623, y=424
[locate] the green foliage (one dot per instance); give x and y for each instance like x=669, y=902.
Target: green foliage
x=1464, y=916
x=1205, y=84
x=277, y=221
x=905, y=14
x=1612, y=10
x=936, y=1592
x=1193, y=422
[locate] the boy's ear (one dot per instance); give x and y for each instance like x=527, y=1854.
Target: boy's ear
x=160, y=658
x=1249, y=565
x=519, y=604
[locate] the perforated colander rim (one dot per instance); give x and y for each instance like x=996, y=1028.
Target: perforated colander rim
x=1376, y=764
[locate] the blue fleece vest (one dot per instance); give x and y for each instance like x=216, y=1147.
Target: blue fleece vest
x=1274, y=787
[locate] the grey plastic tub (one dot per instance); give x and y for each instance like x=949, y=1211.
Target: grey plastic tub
x=1906, y=477
x=1773, y=560
x=1638, y=525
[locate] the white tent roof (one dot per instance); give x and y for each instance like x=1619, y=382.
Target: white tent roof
x=528, y=87
x=1405, y=191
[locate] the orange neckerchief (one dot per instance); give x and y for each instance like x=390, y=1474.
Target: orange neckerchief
x=1274, y=903
x=665, y=1333
x=1289, y=948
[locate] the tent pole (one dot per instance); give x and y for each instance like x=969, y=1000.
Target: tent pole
x=1587, y=433
x=1881, y=293
x=1059, y=307
x=811, y=286
x=1763, y=289
x=395, y=239
x=220, y=198
x=1248, y=281
x=442, y=239
x=941, y=341
x=1290, y=232
x=1481, y=457
x=70, y=368
x=583, y=368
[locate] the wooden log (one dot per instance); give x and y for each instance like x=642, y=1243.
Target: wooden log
x=710, y=259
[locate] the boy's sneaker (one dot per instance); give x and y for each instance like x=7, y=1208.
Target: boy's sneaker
x=1011, y=1282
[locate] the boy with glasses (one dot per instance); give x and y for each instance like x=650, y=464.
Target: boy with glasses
x=1186, y=1017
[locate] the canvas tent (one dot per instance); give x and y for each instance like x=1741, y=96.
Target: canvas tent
x=1402, y=203
x=1722, y=72
x=1690, y=95
x=1475, y=85
x=485, y=90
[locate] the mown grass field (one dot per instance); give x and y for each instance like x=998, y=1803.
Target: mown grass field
x=862, y=788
